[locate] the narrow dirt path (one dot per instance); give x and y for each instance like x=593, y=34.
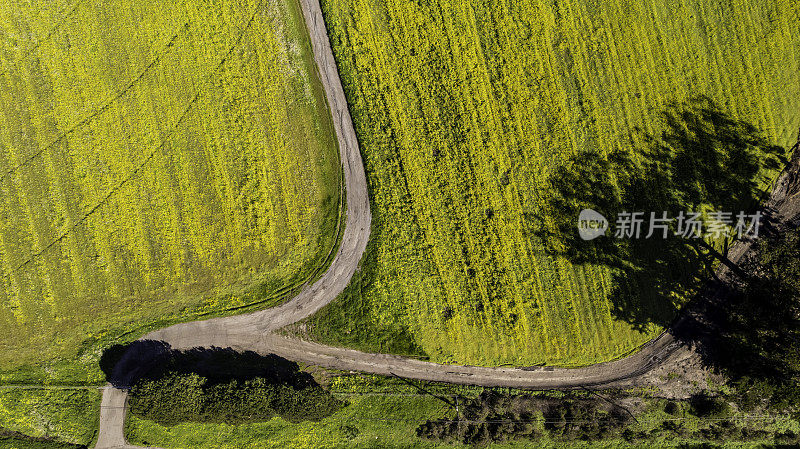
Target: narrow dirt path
x=255, y=331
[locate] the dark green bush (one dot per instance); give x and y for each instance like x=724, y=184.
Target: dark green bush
x=223, y=386
x=672, y=408
x=705, y=406
x=177, y=398
x=495, y=418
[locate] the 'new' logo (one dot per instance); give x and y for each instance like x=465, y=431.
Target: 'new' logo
x=591, y=224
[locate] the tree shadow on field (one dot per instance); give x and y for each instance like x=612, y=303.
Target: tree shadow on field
x=702, y=160
x=124, y=365
x=214, y=385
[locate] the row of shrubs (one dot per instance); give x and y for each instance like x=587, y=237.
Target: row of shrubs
x=178, y=397
x=495, y=417
x=220, y=386
x=499, y=417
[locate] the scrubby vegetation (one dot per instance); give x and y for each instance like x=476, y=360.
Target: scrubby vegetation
x=465, y=109
x=379, y=413
x=753, y=334
x=369, y=421
x=494, y=418
x=391, y=412
x=158, y=161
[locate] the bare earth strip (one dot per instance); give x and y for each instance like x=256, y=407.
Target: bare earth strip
x=255, y=331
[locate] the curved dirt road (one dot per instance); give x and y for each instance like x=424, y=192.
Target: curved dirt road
x=254, y=331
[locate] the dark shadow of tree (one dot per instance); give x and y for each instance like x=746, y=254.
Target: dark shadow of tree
x=214, y=385
x=124, y=365
x=703, y=159
x=745, y=325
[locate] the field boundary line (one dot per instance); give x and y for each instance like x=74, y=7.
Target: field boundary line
x=89, y=118
x=153, y=152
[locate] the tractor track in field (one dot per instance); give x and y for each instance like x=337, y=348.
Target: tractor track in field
x=256, y=331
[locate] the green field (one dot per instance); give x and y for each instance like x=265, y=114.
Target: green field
x=463, y=110
x=159, y=161
x=66, y=416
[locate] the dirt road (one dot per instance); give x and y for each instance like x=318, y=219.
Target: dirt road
x=254, y=332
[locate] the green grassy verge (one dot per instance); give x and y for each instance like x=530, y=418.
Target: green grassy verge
x=21, y=442
x=463, y=111
x=159, y=162
x=64, y=416
x=369, y=421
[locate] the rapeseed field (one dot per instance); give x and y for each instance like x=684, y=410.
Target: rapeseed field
x=159, y=161
x=465, y=108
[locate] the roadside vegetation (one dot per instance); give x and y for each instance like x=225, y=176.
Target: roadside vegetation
x=42, y=417
x=368, y=421
x=464, y=110
x=382, y=412
x=11, y=440
x=220, y=386
x=496, y=418
x=159, y=161
x=220, y=398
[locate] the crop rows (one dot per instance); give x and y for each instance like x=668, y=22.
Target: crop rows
x=159, y=159
x=464, y=109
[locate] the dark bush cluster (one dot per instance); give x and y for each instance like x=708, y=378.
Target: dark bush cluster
x=489, y=418
x=583, y=420
x=220, y=385
x=494, y=417
x=178, y=397
x=705, y=406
